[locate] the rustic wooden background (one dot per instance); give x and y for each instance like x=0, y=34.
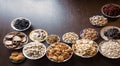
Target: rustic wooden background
x=56, y=17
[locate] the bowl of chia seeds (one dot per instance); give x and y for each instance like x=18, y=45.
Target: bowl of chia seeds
x=20, y=24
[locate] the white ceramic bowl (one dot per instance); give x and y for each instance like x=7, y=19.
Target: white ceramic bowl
x=97, y=48
x=55, y=42
x=100, y=44
x=14, y=20
x=70, y=37
x=36, y=36
x=97, y=35
x=34, y=44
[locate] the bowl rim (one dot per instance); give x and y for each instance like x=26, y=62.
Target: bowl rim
x=14, y=20
x=108, y=15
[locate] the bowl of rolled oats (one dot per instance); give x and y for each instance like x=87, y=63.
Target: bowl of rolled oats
x=89, y=33
x=34, y=50
x=85, y=48
x=110, y=49
x=59, y=52
x=70, y=37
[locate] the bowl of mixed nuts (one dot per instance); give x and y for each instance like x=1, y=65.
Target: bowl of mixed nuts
x=59, y=52
x=89, y=33
x=85, y=48
x=70, y=37
x=34, y=50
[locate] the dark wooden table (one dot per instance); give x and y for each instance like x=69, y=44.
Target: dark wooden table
x=56, y=17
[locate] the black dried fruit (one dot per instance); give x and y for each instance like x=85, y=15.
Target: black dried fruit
x=21, y=24
x=113, y=33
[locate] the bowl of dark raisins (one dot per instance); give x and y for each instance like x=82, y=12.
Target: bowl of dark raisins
x=110, y=32
x=111, y=10
x=20, y=24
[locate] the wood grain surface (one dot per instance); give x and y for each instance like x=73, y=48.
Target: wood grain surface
x=56, y=17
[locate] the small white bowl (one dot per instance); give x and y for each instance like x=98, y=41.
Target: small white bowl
x=14, y=20
x=98, y=23
x=95, y=38
x=54, y=42
x=70, y=37
x=34, y=36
